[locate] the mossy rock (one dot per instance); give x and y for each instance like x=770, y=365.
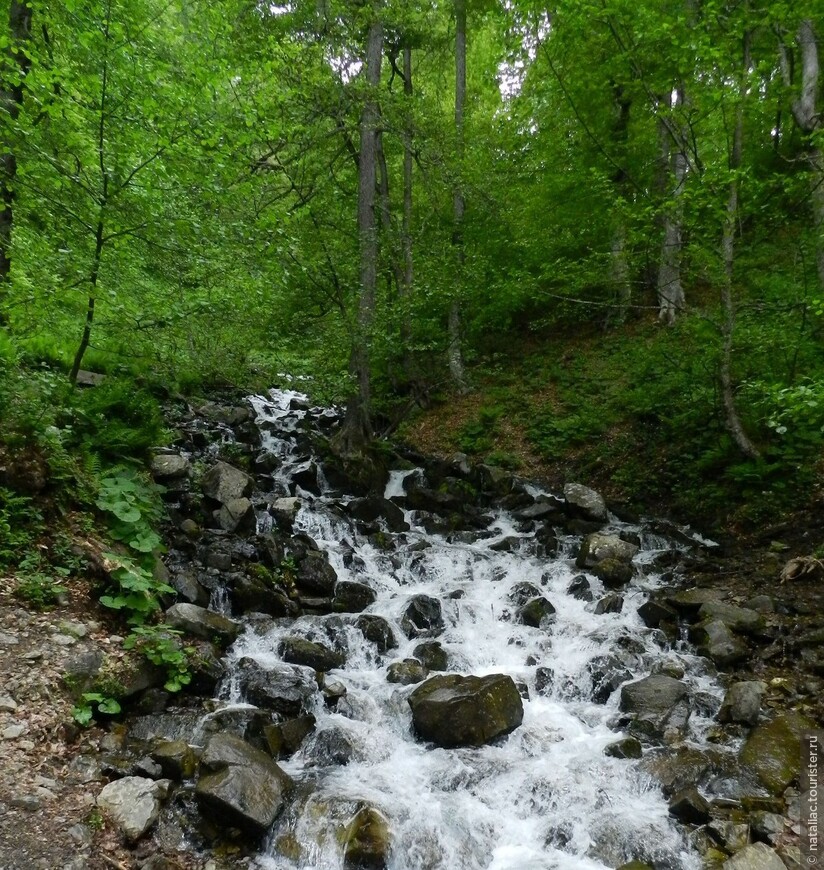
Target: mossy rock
x=773, y=750
x=367, y=841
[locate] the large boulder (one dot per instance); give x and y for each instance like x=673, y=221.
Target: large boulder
x=168, y=466
x=376, y=629
x=352, y=597
x=738, y=619
x=406, y=672
x=223, y=483
x=537, y=612
x=742, y=703
x=237, y=515
x=431, y=655
x=133, y=803
x=757, y=856
x=315, y=574
x=203, y=623
x=772, y=751
x=656, y=704
x=690, y=806
x=366, y=841
x=451, y=710
x=422, y=617
x=241, y=783
x=299, y=651
x=608, y=557
x=715, y=641
x=581, y=501
x=373, y=508
x=287, y=689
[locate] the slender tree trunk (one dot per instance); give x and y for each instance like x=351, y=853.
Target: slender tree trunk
x=357, y=428
x=808, y=117
x=670, y=289
x=733, y=420
x=456, y=364
x=619, y=264
x=11, y=99
x=406, y=228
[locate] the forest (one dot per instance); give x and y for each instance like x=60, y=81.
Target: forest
x=597, y=224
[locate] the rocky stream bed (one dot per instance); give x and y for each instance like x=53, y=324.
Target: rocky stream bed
x=435, y=665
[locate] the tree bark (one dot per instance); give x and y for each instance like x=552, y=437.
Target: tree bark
x=356, y=431
x=670, y=289
x=406, y=228
x=619, y=264
x=456, y=364
x=732, y=418
x=11, y=99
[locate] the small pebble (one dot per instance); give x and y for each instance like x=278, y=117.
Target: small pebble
x=25, y=802
x=63, y=639
x=7, y=704
x=7, y=639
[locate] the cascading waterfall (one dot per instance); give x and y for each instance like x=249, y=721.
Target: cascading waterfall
x=545, y=796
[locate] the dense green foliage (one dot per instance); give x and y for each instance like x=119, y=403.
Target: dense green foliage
x=184, y=191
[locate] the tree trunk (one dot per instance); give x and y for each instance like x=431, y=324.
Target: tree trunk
x=357, y=428
x=93, y=276
x=670, y=290
x=406, y=229
x=732, y=418
x=808, y=118
x=11, y=99
x=456, y=364
x=619, y=264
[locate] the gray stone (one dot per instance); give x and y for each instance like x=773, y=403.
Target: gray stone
x=332, y=746
x=7, y=704
x=609, y=558
x=742, y=702
x=610, y=603
x=299, y=651
x=241, y=783
x=203, y=623
x=767, y=827
x=286, y=689
x=772, y=751
x=450, y=710
x=367, y=841
x=585, y=502
x=690, y=806
x=422, y=617
x=168, y=466
x=653, y=613
x=223, y=482
x=376, y=629
x=716, y=641
x=627, y=747
x=7, y=639
x=755, y=857
x=737, y=619
x=238, y=515
x=285, y=510
x=12, y=732
x=133, y=803
x=657, y=704
x=579, y=588
x=352, y=597
x=537, y=612
x=431, y=655
x=690, y=601
x=407, y=672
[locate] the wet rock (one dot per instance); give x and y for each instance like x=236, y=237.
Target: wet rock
x=202, y=623
x=285, y=510
x=223, y=483
x=536, y=612
x=689, y=806
x=609, y=558
x=79, y=672
x=581, y=501
x=766, y=827
x=772, y=750
x=689, y=601
x=450, y=710
x=737, y=619
x=299, y=651
x=286, y=689
x=238, y=515
x=256, y=595
x=315, y=574
x=679, y=769
x=656, y=703
x=169, y=466
x=607, y=673
x=366, y=841
x=742, y=702
x=186, y=584
x=376, y=629
x=406, y=672
x=730, y=835
x=422, y=617
x=715, y=641
x=627, y=747
x=332, y=746
x=579, y=588
x=760, y=604
x=611, y=603
x=352, y=597
x=653, y=613
x=755, y=857
x=371, y=509
x=176, y=759
x=495, y=480
x=544, y=680
x=431, y=655
x=522, y=593
x=635, y=865
x=241, y=783
x=133, y=804
x=285, y=738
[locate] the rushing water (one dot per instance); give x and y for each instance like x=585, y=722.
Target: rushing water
x=545, y=797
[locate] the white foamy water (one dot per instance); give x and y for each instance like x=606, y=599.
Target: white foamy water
x=543, y=797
